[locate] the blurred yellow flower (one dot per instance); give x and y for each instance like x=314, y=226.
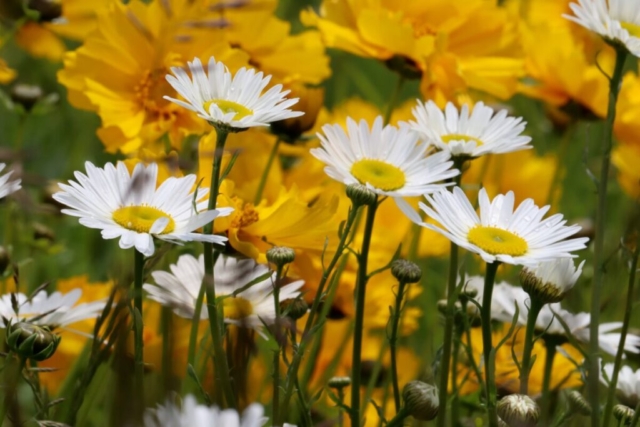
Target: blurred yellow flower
x=626, y=157
x=40, y=42
x=7, y=74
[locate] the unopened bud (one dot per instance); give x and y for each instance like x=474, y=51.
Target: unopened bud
x=404, y=66
x=26, y=95
x=421, y=400
x=339, y=382
x=280, y=255
x=406, y=271
x=48, y=9
x=623, y=413
x=360, y=195
x=442, y=306
x=518, y=410
x=294, y=308
x=578, y=404
x=41, y=231
x=31, y=341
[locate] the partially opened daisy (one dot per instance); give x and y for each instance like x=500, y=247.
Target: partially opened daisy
x=235, y=102
x=500, y=233
x=388, y=160
x=617, y=21
x=628, y=386
x=7, y=187
x=250, y=307
x=131, y=207
x=469, y=134
x=52, y=310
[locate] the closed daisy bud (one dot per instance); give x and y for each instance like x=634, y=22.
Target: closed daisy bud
x=406, y=271
x=421, y=400
x=31, y=341
x=518, y=410
x=361, y=195
x=404, y=66
x=550, y=281
x=578, y=403
x=48, y=9
x=26, y=95
x=339, y=382
x=280, y=255
x=623, y=413
x=294, y=308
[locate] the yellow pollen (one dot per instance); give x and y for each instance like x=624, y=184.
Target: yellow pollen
x=236, y=308
x=244, y=214
x=141, y=218
x=149, y=93
x=379, y=174
x=229, y=107
x=497, y=241
x=633, y=29
x=459, y=137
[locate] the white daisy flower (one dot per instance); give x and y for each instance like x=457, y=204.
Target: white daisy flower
x=388, y=160
x=500, y=233
x=628, y=386
x=551, y=280
x=130, y=207
x=469, y=134
x=192, y=414
x=250, y=308
x=617, y=21
x=7, y=187
x=55, y=310
x=234, y=101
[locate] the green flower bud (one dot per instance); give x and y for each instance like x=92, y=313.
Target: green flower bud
x=26, y=95
x=31, y=341
x=406, y=271
x=421, y=400
x=578, y=404
x=518, y=410
x=280, y=255
x=623, y=413
x=339, y=382
x=404, y=66
x=48, y=9
x=360, y=195
x=294, y=308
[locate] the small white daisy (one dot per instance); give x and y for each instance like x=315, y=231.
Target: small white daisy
x=551, y=280
x=469, y=134
x=234, y=101
x=192, y=414
x=617, y=21
x=628, y=386
x=250, y=308
x=388, y=160
x=7, y=187
x=130, y=207
x=55, y=310
x=519, y=237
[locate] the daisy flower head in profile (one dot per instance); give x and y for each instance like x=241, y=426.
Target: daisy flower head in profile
x=228, y=101
x=628, y=386
x=500, y=233
x=7, y=187
x=129, y=206
x=617, y=21
x=550, y=281
x=469, y=134
x=390, y=161
x=251, y=307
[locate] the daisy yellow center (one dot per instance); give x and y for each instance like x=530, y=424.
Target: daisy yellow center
x=459, y=137
x=379, y=174
x=141, y=218
x=237, y=308
x=229, y=107
x=633, y=29
x=497, y=241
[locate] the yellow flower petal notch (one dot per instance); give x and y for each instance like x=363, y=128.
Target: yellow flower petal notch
x=379, y=174
x=497, y=241
x=141, y=218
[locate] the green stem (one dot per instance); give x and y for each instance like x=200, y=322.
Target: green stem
x=306, y=336
x=219, y=358
x=489, y=363
x=265, y=172
x=360, y=293
x=525, y=368
x=138, y=278
x=195, y=323
x=593, y=382
x=393, y=99
x=550, y=345
x=399, y=418
x=340, y=410
x=455, y=401
x=563, y=419
x=636, y=416
x=276, y=356
x=393, y=339
x=608, y=410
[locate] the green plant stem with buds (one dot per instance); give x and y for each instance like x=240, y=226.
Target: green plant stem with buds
x=265, y=173
x=276, y=355
x=593, y=382
x=525, y=368
x=138, y=278
x=445, y=361
x=220, y=363
x=489, y=364
x=550, y=345
x=393, y=339
x=292, y=374
x=608, y=409
x=360, y=293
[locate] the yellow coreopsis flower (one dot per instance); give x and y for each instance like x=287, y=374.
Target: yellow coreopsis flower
x=120, y=70
x=457, y=47
x=626, y=157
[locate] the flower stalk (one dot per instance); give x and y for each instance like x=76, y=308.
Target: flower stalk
x=265, y=173
x=138, y=278
x=487, y=345
x=525, y=368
